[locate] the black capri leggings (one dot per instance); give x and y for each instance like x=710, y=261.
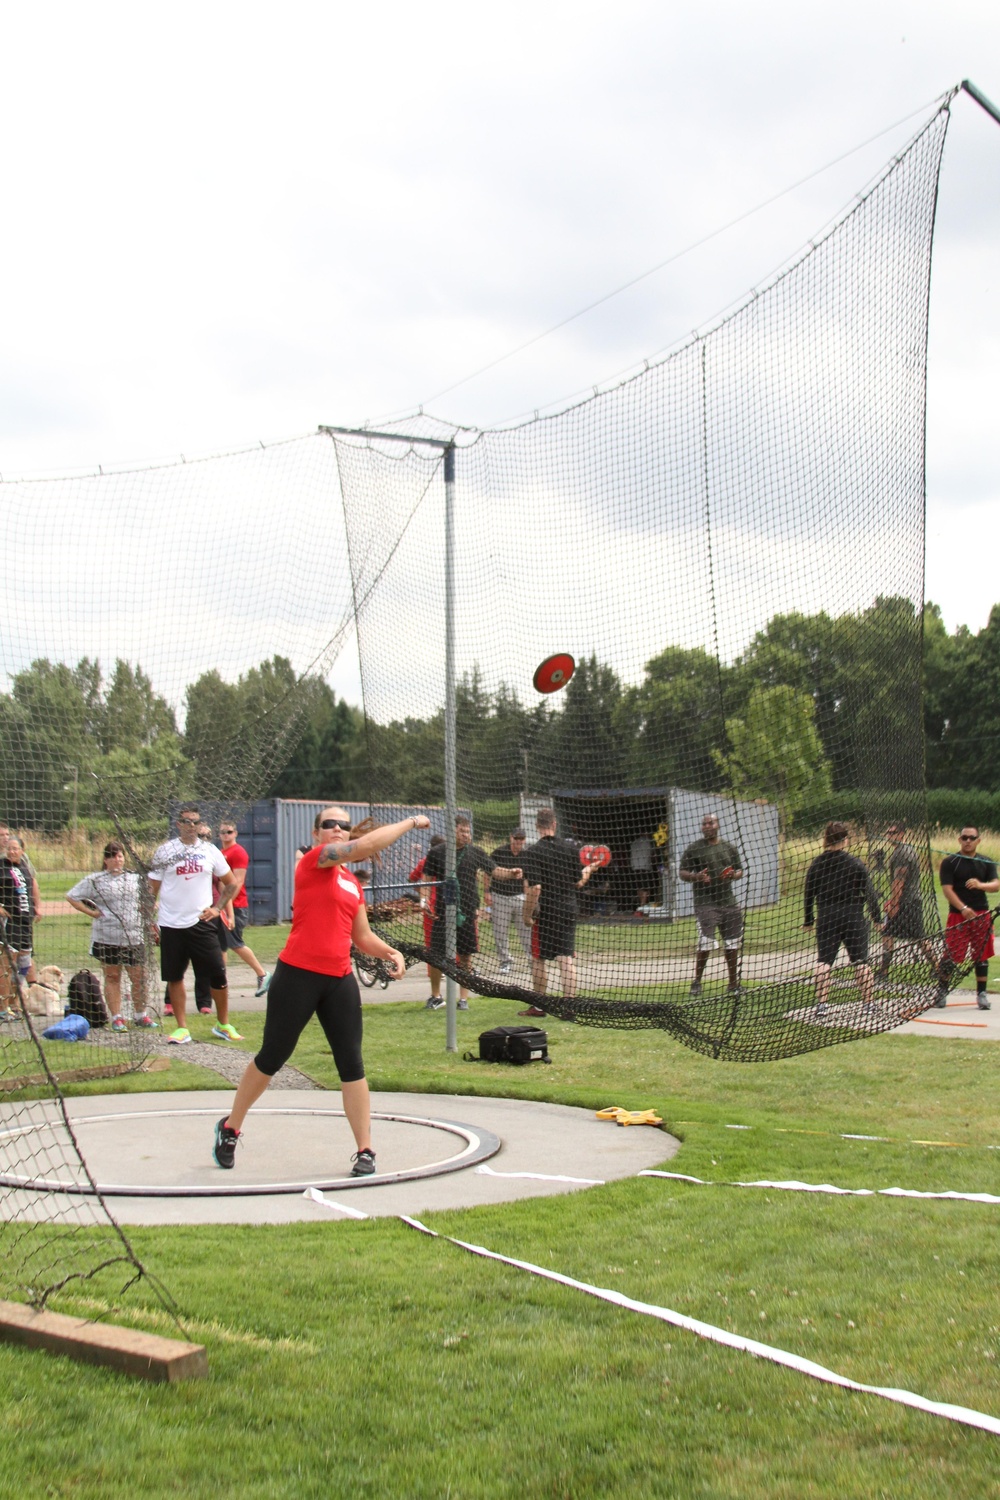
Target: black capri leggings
x=293, y=998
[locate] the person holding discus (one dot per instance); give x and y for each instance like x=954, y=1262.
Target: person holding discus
x=965, y=879
x=313, y=976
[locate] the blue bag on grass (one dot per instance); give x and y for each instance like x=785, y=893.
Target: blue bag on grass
x=70, y=1029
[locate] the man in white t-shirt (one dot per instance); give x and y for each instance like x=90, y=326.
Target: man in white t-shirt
x=181, y=876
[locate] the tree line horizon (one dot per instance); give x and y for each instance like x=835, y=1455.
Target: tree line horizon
x=816, y=706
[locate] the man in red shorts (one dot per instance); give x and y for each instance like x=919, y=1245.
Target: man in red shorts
x=965, y=879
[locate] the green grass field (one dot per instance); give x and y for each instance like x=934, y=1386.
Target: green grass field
x=361, y=1359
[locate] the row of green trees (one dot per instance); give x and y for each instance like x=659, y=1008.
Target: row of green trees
x=74, y=744
x=816, y=705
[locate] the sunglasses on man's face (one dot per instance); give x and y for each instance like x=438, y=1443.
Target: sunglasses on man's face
x=190, y=822
x=968, y=838
x=335, y=823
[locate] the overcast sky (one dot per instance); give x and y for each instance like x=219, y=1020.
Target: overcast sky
x=227, y=223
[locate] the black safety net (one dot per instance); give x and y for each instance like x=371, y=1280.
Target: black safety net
x=723, y=557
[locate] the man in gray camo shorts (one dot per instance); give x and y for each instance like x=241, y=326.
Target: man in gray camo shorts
x=710, y=866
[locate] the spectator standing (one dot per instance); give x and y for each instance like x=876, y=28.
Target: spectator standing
x=180, y=876
x=710, y=866
x=470, y=859
x=505, y=901
x=552, y=877
x=113, y=899
x=966, y=877
x=904, y=907
x=238, y=861
x=27, y=867
x=17, y=908
x=428, y=900
x=839, y=886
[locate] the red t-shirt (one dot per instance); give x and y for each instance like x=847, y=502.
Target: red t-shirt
x=237, y=858
x=417, y=874
x=326, y=902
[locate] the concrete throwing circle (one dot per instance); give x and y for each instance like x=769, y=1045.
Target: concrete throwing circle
x=127, y=1160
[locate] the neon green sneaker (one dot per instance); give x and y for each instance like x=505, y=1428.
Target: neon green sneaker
x=228, y=1033
x=180, y=1036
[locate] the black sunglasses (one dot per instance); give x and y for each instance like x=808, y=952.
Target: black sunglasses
x=335, y=823
x=190, y=822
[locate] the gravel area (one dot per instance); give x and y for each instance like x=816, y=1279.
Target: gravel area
x=220, y=1057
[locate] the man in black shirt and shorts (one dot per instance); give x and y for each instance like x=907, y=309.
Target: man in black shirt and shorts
x=965, y=879
x=839, y=885
x=469, y=860
x=552, y=877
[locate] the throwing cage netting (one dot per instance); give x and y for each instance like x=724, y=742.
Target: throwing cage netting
x=730, y=546
x=168, y=635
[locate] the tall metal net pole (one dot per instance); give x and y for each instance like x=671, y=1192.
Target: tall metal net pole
x=450, y=792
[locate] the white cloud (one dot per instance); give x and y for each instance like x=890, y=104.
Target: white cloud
x=228, y=223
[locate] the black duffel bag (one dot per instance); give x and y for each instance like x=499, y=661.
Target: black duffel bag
x=514, y=1044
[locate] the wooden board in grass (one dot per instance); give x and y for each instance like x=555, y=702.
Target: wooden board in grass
x=148, y=1356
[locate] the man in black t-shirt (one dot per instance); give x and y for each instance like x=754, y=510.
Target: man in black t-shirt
x=469, y=860
x=965, y=879
x=552, y=876
x=505, y=901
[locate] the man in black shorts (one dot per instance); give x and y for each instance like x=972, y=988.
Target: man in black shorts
x=180, y=876
x=904, y=911
x=469, y=860
x=840, y=886
x=552, y=878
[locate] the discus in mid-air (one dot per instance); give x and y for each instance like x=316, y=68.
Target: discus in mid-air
x=553, y=673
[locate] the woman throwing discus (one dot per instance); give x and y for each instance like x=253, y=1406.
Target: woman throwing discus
x=313, y=976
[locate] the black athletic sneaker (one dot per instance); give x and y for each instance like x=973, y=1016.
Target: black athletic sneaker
x=224, y=1149
x=941, y=996
x=364, y=1163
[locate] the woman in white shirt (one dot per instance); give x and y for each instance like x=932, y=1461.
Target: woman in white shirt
x=113, y=898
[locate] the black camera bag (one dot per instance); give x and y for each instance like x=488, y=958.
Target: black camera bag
x=514, y=1044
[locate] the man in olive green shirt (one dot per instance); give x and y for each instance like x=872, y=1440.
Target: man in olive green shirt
x=709, y=866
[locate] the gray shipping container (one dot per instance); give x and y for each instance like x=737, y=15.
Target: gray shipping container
x=272, y=829
x=294, y=827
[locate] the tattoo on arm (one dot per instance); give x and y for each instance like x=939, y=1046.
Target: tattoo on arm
x=338, y=854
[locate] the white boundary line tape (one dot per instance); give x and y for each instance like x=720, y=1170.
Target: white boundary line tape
x=962, y=1414
x=315, y=1196
x=826, y=1187
x=542, y=1177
